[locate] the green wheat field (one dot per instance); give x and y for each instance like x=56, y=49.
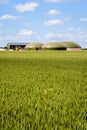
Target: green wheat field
x=43, y=90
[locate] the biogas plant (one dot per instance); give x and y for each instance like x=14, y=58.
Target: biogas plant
x=65, y=45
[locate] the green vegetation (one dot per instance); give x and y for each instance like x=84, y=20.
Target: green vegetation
x=43, y=90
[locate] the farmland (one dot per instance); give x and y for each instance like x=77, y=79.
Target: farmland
x=43, y=90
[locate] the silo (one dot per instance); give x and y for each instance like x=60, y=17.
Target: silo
x=53, y=46
x=34, y=46
x=71, y=45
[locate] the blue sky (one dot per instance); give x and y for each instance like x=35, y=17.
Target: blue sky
x=43, y=21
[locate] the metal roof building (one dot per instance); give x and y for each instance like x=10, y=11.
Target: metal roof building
x=16, y=45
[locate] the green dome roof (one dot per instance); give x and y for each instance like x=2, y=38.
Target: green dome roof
x=34, y=45
x=68, y=44
x=53, y=45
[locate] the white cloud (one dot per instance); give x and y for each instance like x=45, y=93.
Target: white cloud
x=4, y=1
x=71, y=29
x=55, y=1
x=58, y=35
x=83, y=19
x=30, y=6
x=74, y=30
x=50, y=35
x=52, y=22
x=82, y=34
x=53, y=12
x=78, y=30
x=8, y=17
x=25, y=32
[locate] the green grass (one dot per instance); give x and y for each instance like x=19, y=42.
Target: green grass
x=43, y=90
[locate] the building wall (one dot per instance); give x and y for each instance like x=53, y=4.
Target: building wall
x=73, y=49
x=8, y=46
